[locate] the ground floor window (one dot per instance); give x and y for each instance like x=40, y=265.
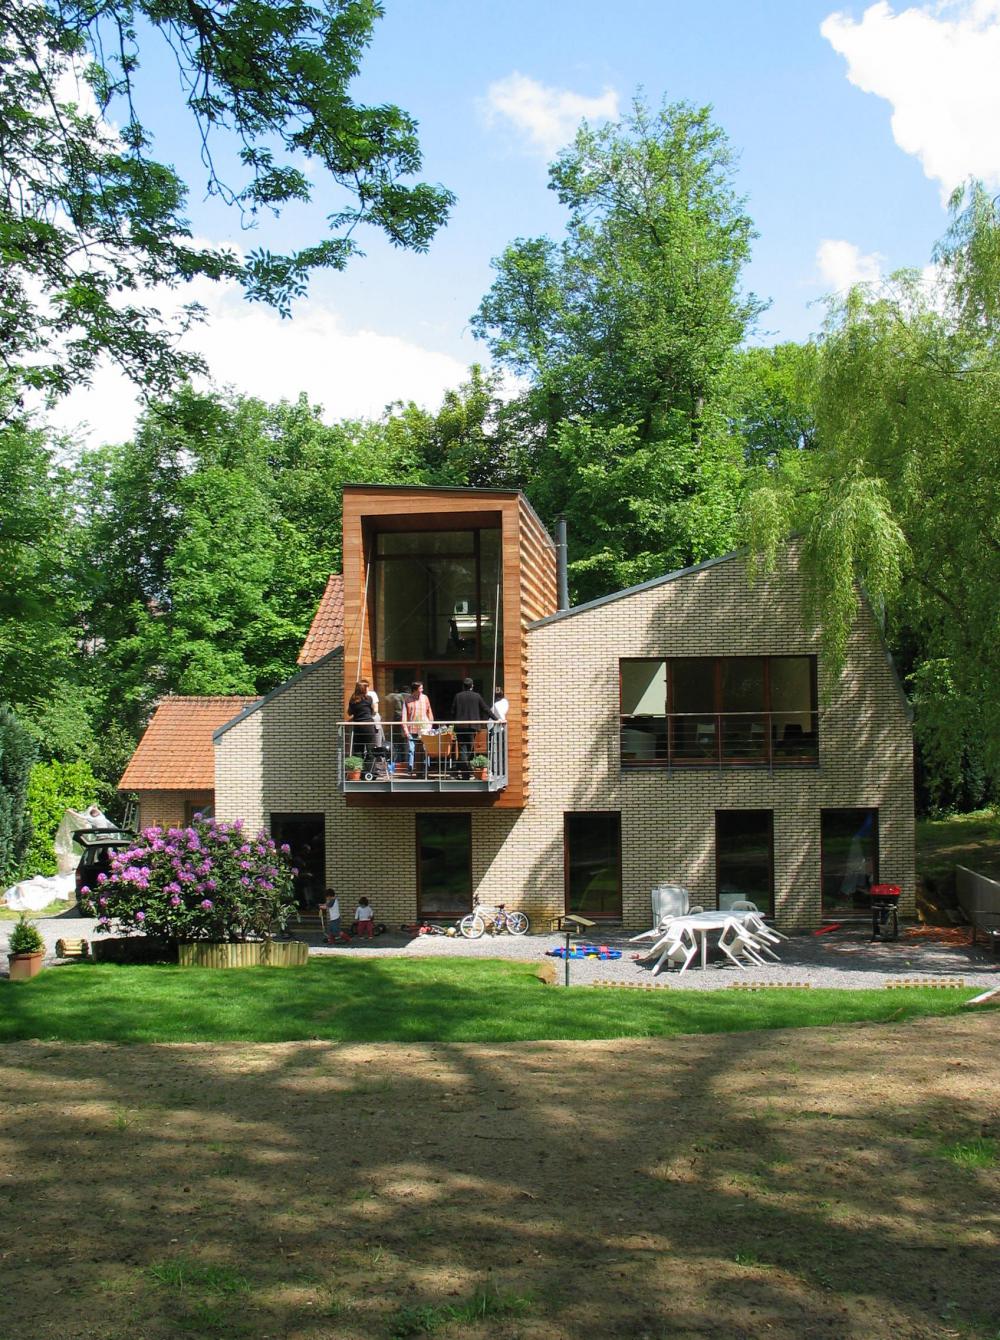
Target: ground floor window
x=593, y=864
x=444, y=865
x=306, y=835
x=848, y=860
x=744, y=855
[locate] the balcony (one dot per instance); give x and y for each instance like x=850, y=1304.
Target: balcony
x=442, y=759
x=720, y=740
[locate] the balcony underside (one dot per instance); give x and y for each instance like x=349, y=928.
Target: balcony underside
x=422, y=786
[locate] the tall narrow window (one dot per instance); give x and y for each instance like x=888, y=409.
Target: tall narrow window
x=848, y=860
x=644, y=711
x=744, y=853
x=593, y=853
x=444, y=865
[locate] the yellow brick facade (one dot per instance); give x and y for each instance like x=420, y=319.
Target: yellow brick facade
x=171, y=809
x=282, y=758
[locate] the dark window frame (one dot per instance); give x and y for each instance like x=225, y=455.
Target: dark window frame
x=746, y=809
x=568, y=815
x=876, y=847
x=418, y=818
x=719, y=758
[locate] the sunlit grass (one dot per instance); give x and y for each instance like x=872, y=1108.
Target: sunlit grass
x=393, y=1000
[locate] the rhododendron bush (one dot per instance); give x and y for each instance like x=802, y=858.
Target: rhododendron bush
x=209, y=881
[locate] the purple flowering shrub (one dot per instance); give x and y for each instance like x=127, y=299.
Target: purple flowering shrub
x=210, y=881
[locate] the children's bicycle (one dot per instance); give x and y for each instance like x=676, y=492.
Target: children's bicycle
x=477, y=923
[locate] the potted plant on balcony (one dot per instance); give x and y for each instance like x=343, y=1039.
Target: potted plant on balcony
x=480, y=765
x=26, y=950
x=352, y=767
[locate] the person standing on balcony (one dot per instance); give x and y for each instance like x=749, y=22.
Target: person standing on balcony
x=500, y=704
x=469, y=707
x=372, y=697
x=417, y=717
x=362, y=715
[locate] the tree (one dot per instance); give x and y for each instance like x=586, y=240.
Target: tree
x=90, y=220
x=903, y=495
x=53, y=788
x=17, y=754
x=626, y=332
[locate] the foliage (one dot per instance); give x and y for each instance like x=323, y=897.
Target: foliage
x=904, y=496
x=17, y=755
x=90, y=221
x=52, y=789
x=415, y=1000
x=774, y=394
x=25, y=938
x=479, y=761
x=352, y=763
x=627, y=333
x=210, y=881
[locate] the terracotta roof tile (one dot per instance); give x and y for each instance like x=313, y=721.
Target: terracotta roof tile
x=327, y=629
x=176, y=752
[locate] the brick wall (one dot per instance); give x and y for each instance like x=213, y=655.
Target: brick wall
x=170, y=809
x=283, y=758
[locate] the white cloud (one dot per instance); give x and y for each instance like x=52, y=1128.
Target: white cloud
x=841, y=265
x=547, y=118
x=246, y=345
x=937, y=65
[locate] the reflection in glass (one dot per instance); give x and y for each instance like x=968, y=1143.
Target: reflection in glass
x=644, y=708
x=849, y=859
x=743, y=845
x=444, y=857
x=593, y=865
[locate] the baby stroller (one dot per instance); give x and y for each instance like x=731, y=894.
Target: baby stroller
x=376, y=768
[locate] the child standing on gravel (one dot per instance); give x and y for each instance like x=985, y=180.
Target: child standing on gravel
x=364, y=918
x=331, y=907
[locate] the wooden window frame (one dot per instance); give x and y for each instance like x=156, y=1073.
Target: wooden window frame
x=572, y=814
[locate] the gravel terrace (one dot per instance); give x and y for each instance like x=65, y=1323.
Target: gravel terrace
x=845, y=958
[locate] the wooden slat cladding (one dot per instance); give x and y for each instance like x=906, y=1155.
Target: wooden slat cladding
x=529, y=593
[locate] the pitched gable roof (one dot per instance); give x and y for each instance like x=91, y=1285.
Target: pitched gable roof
x=327, y=629
x=176, y=751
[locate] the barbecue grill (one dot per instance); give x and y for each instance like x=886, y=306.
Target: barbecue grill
x=885, y=911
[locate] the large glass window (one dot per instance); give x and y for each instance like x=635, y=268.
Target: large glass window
x=733, y=710
x=744, y=853
x=435, y=610
x=593, y=851
x=444, y=865
x=848, y=860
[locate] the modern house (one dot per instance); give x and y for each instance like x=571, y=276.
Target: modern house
x=684, y=731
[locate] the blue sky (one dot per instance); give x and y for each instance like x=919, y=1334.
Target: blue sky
x=851, y=124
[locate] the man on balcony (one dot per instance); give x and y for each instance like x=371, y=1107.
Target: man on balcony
x=417, y=718
x=470, y=712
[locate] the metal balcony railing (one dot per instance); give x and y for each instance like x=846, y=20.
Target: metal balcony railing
x=720, y=739
x=391, y=759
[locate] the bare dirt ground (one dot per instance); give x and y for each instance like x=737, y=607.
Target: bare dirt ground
x=785, y=1184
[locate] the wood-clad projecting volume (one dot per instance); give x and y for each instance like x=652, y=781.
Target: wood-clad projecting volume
x=527, y=584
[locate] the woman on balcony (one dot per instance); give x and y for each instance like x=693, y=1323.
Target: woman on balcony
x=362, y=714
x=418, y=716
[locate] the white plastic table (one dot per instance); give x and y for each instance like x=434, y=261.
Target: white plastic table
x=700, y=924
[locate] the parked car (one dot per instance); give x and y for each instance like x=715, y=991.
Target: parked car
x=98, y=844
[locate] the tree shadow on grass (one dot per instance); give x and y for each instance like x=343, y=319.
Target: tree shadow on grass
x=786, y=1183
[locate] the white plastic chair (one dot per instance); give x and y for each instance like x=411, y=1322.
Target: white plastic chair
x=737, y=940
x=669, y=901
x=680, y=950
x=757, y=924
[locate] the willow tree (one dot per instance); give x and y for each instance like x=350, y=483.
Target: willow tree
x=625, y=332
x=903, y=494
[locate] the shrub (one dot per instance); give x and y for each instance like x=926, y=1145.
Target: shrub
x=353, y=764
x=25, y=938
x=210, y=881
x=479, y=761
x=53, y=789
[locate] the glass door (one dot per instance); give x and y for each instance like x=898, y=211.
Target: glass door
x=593, y=864
x=444, y=865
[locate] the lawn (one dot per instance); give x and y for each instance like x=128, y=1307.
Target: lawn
x=971, y=840
x=833, y=1182
x=400, y=1000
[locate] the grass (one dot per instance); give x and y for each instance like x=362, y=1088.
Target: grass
x=484, y=1305
x=51, y=910
x=971, y=840
x=395, y=1000
x=978, y=1153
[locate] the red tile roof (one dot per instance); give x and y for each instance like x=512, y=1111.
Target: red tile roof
x=327, y=629
x=176, y=753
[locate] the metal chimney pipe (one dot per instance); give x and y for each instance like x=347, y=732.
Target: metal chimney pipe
x=562, y=570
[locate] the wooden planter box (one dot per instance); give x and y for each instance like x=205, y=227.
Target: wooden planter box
x=23, y=966
x=256, y=954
